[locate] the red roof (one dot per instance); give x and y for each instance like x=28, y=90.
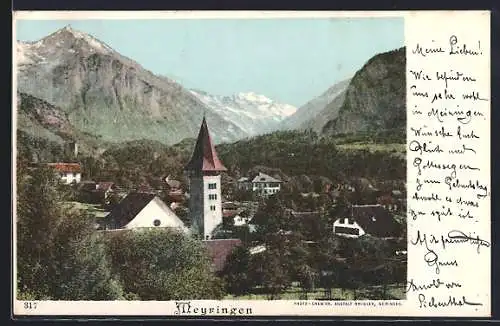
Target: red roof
x=204, y=156
x=66, y=167
x=219, y=250
x=229, y=212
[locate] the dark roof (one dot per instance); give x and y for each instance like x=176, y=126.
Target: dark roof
x=262, y=177
x=128, y=209
x=87, y=185
x=204, y=156
x=219, y=250
x=375, y=220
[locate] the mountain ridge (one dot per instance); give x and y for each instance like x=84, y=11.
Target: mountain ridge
x=100, y=89
x=112, y=98
x=375, y=98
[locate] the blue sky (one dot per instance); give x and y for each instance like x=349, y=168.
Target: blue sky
x=288, y=60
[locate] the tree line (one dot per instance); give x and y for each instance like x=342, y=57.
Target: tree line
x=60, y=255
x=305, y=250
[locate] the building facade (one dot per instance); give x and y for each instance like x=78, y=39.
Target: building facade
x=69, y=173
x=142, y=210
x=265, y=185
x=374, y=220
x=205, y=197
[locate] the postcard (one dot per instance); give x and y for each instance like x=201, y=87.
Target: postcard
x=245, y=163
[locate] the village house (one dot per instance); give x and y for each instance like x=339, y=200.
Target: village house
x=234, y=218
x=374, y=220
x=173, y=185
x=244, y=183
x=97, y=192
x=70, y=173
x=142, y=210
x=262, y=184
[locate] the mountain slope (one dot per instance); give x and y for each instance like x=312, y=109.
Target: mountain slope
x=253, y=113
x=375, y=98
x=313, y=114
x=109, y=95
x=42, y=120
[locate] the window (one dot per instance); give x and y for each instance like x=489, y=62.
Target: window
x=346, y=230
x=212, y=207
x=212, y=196
x=156, y=222
x=212, y=186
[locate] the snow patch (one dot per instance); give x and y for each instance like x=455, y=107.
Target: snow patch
x=251, y=112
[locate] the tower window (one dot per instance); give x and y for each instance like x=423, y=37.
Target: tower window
x=212, y=186
x=212, y=207
x=212, y=196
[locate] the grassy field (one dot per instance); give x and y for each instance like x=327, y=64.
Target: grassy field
x=394, y=292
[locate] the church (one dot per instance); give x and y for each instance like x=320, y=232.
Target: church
x=204, y=174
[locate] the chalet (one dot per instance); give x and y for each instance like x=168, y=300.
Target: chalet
x=239, y=220
x=172, y=184
x=142, y=210
x=262, y=184
x=104, y=190
x=265, y=185
x=97, y=192
x=374, y=220
x=388, y=202
x=234, y=217
x=219, y=250
x=69, y=173
x=244, y=183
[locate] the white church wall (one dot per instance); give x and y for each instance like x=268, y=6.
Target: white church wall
x=156, y=214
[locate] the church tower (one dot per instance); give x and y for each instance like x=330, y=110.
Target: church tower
x=203, y=171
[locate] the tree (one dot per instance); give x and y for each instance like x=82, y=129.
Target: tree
x=270, y=216
x=59, y=254
x=236, y=272
x=81, y=269
x=37, y=217
x=160, y=264
x=269, y=270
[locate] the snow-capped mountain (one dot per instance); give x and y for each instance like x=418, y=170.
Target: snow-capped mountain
x=251, y=112
x=100, y=89
x=110, y=96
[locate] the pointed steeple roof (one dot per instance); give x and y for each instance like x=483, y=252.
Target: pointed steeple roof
x=204, y=156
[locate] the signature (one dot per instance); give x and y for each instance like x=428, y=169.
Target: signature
x=436, y=283
x=452, y=301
